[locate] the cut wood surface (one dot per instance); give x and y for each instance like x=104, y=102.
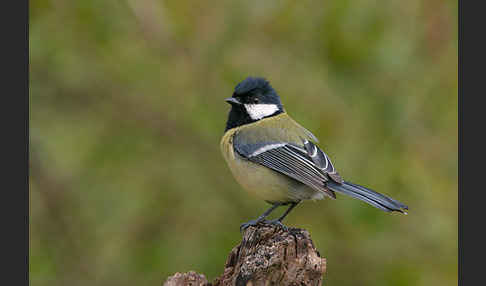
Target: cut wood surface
x=267, y=255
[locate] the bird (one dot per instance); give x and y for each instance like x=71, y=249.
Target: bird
x=276, y=159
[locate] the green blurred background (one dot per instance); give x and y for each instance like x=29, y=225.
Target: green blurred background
x=127, y=183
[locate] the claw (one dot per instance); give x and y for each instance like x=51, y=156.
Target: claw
x=278, y=223
x=254, y=222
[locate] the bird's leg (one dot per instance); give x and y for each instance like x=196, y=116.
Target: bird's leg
x=261, y=218
x=292, y=205
x=278, y=221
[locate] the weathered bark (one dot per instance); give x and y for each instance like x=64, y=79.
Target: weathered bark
x=267, y=255
x=190, y=278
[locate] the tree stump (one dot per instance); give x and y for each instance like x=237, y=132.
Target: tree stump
x=190, y=278
x=267, y=255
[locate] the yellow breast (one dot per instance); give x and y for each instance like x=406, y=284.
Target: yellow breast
x=258, y=180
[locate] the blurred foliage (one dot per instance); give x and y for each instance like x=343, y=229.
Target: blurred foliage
x=127, y=183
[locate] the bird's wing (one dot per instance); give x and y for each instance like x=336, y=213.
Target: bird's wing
x=322, y=161
x=313, y=168
x=281, y=144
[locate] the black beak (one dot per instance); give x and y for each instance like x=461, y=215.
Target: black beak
x=232, y=100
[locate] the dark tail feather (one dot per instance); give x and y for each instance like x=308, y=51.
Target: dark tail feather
x=366, y=195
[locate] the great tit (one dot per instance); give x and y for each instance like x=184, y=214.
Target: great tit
x=276, y=159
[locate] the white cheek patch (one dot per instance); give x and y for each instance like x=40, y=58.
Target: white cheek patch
x=258, y=111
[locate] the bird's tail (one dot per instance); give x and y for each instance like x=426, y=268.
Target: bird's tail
x=369, y=196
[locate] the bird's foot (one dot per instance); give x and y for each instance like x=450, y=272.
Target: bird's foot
x=278, y=223
x=254, y=222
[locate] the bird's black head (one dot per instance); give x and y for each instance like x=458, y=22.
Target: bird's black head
x=253, y=99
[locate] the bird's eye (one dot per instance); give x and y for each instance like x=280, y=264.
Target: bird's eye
x=255, y=100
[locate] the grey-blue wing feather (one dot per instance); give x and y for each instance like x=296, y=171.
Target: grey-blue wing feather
x=322, y=161
x=312, y=167
x=288, y=159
